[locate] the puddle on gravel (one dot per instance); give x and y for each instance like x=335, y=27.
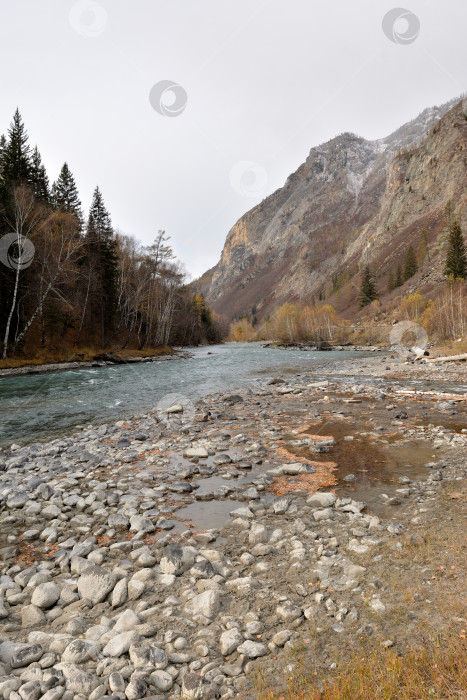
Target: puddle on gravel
x=211, y=483
x=375, y=464
x=376, y=457
x=206, y=515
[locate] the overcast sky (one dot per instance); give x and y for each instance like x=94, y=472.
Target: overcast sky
x=261, y=82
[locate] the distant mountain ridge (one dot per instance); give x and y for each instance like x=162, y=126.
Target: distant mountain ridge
x=344, y=206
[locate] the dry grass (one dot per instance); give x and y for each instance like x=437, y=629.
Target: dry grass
x=454, y=347
x=437, y=670
x=429, y=657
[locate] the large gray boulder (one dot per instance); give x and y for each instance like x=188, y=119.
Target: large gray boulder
x=206, y=604
x=176, y=559
x=321, y=500
x=95, y=584
x=252, y=649
x=46, y=595
x=230, y=640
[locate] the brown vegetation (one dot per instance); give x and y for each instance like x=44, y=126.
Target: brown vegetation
x=431, y=672
x=443, y=316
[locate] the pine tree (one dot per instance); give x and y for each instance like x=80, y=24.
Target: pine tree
x=102, y=254
x=65, y=195
x=16, y=156
x=39, y=178
x=410, y=264
x=399, y=281
x=391, y=284
x=367, y=289
x=456, y=259
x=160, y=252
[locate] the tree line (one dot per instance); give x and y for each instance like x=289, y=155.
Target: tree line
x=69, y=281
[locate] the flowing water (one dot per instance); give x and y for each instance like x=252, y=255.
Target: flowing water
x=42, y=406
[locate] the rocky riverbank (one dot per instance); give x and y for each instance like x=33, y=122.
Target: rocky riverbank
x=326, y=347
x=181, y=554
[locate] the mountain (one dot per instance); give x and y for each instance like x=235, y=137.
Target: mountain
x=352, y=202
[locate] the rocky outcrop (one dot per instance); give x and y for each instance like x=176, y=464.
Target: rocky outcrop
x=343, y=207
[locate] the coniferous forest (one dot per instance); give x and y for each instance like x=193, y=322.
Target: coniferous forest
x=70, y=281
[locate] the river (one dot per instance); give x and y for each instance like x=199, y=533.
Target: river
x=39, y=407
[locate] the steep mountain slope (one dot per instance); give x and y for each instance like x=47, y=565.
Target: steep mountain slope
x=353, y=201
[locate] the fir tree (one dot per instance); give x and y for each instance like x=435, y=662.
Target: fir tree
x=65, y=195
x=102, y=256
x=410, y=264
x=16, y=156
x=456, y=259
x=367, y=288
x=399, y=281
x=39, y=179
x=391, y=284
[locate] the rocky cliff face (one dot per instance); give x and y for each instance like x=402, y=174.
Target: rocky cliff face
x=353, y=201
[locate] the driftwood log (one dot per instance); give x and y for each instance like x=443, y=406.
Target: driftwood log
x=448, y=358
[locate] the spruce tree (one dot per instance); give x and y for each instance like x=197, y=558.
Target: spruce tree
x=16, y=156
x=39, y=178
x=65, y=195
x=399, y=281
x=391, y=283
x=410, y=264
x=367, y=288
x=456, y=259
x=102, y=258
